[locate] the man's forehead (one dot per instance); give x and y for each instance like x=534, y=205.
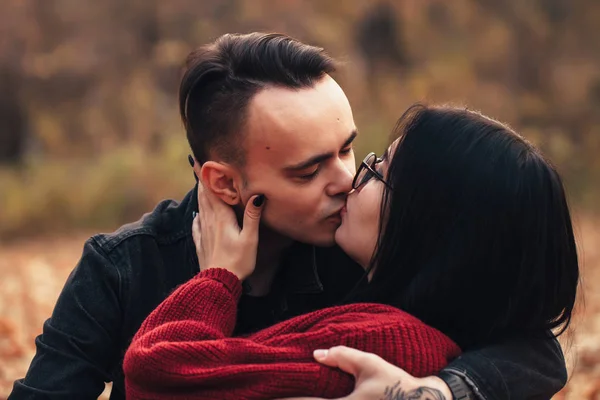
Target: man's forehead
x=303, y=118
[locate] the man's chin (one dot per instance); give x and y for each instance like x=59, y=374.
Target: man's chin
x=319, y=236
x=328, y=243
x=323, y=240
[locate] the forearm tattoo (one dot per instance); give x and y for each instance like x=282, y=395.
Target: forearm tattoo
x=422, y=393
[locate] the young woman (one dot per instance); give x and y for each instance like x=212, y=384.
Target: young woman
x=465, y=235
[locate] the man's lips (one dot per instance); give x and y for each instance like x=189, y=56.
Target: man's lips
x=337, y=214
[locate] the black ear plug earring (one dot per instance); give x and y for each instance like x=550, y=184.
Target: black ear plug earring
x=192, y=163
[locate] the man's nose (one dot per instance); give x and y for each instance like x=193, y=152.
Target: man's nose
x=342, y=179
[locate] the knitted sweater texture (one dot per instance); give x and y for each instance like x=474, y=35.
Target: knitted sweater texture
x=185, y=349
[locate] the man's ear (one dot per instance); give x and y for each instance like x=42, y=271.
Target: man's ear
x=221, y=180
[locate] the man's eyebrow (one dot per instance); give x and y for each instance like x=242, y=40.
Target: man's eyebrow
x=307, y=163
x=351, y=138
x=319, y=157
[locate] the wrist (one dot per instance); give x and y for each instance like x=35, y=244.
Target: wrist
x=459, y=388
x=239, y=276
x=437, y=383
x=227, y=278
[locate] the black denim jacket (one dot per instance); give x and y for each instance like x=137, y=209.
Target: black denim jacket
x=123, y=276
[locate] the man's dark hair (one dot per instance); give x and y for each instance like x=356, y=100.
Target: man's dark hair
x=221, y=79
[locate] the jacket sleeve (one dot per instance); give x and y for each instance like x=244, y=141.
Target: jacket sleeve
x=516, y=369
x=184, y=347
x=76, y=349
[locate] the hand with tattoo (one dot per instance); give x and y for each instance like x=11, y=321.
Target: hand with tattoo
x=376, y=379
x=421, y=393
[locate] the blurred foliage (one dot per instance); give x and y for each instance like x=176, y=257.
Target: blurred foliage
x=89, y=128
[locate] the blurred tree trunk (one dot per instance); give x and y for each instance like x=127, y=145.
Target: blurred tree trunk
x=380, y=44
x=12, y=117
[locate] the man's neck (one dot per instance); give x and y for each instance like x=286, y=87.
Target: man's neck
x=271, y=248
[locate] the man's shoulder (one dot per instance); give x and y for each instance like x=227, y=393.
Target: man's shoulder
x=144, y=260
x=164, y=225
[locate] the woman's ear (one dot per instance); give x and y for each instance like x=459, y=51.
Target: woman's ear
x=220, y=179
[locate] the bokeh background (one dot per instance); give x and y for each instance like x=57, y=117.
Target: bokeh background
x=90, y=136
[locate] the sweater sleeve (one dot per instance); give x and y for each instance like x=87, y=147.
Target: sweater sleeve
x=183, y=351
x=203, y=308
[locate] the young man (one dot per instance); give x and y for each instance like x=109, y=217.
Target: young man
x=262, y=115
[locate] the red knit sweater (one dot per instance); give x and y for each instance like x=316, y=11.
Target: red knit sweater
x=184, y=349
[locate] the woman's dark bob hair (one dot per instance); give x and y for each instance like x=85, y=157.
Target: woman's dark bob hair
x=476, y=236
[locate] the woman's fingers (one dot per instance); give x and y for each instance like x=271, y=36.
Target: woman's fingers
x=217, y=235
x=211, y=200
x=216, y=210
x=197, y=237
x=196, y=229
x=203, y=203
x=252, y=216
x=349, y=360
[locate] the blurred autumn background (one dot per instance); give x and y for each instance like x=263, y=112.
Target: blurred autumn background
x=90, y=136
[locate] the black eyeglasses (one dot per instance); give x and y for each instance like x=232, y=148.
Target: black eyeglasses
x=366, y=171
